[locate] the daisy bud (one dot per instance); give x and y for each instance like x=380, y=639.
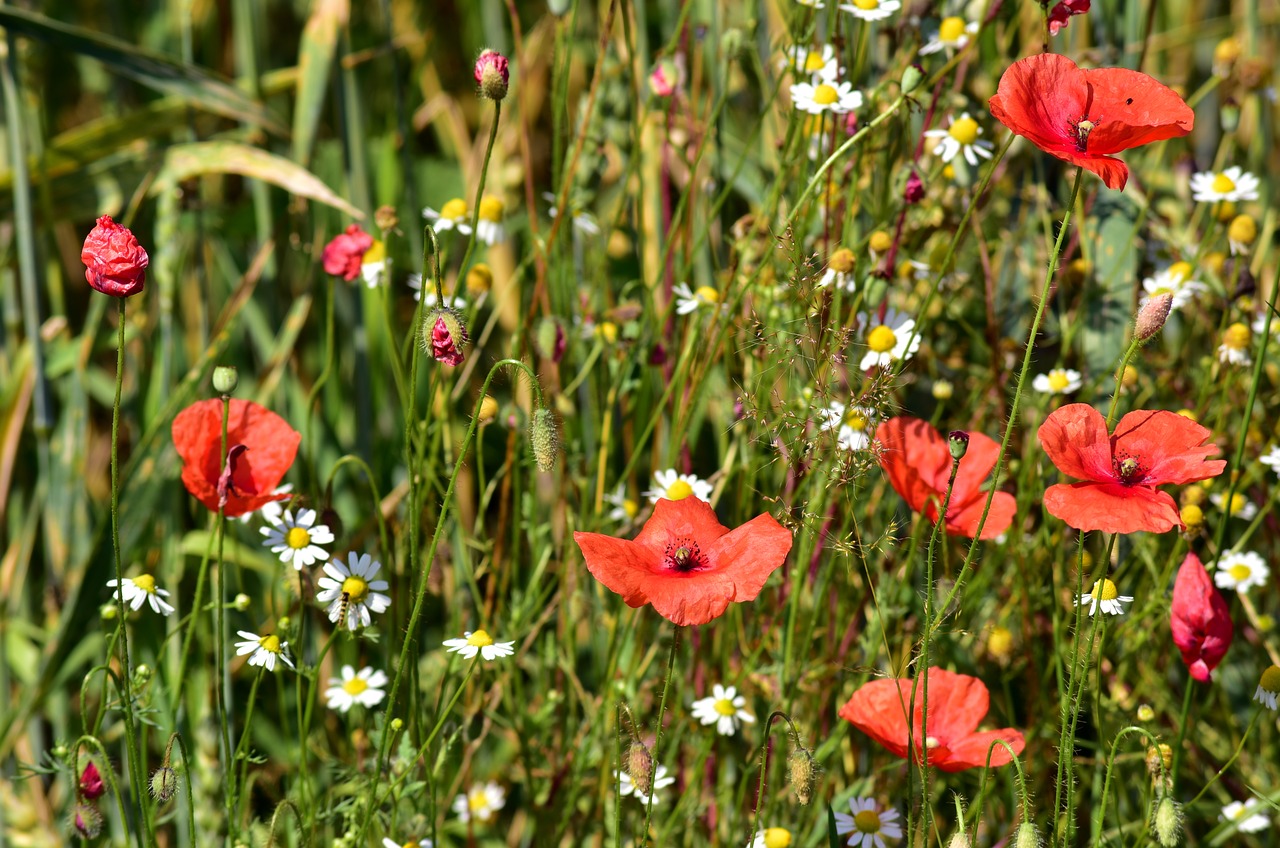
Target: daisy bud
x=943, y=390
x=225, y=378
x=911, y=78
x=1243, y=230
x=958, y=443
x=488, y=409
x=114, y=262
x=1145, y=713
x=87, y=820
x=397, y=724
x=1152, y=316
x=1168, y=823
x=385, y=218
x=543, y=438
x=1000, y=644
x=640, y=767
x=163, y=783
x=492, y=74
x=91, y=786
x=108, y=612
x=802, y=773
x=880, y=242
x=1193, y=517
x=1028, y=836
x=241, y=602
x=443, y=334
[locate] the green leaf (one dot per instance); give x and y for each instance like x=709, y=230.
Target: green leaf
x=188, y=82
x=1105, y=335
x=315, y=62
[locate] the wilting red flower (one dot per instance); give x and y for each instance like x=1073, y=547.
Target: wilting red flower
x=685, y=563
x=957, y=705
x=91, y=786
x=260, y=447
x=344, y=255
x=1084, y=116
x=1199, y=619
x=114, y=262
x=1149, y=448
x=917, y=459
x=1062, y=14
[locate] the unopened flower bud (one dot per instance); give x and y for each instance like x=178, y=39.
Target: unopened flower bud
x=543, y=438
x=1152, y=315
x=488, y=409
x=640, y=767
x=958, y=443
x=397, y=724
x=911, y=78
x=385, y=218
x=943, y=390
x=87, y=820
x=1028, y=836
x=1000, y=644
x=225, y=379
x=1159, y=759
x=1242, y=231
x=1145, y=713
x=914, y=192
x=492, y=74
x=1168, y=823
x=163, y=784
x=549, y=339
x=108, y=612
x=960, y=839
x=142, y=673
x=241, y=602
x=443, y=335
x=91, y=786
x=802, y=773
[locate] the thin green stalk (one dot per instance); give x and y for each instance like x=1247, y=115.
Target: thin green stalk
x=475, y=211
x=1101, y=817
x=195, y=602
x=764, y=764
x=1253, y=722
x=220, y=625
x=244, y=735
x=322, y=379
x=657, y=731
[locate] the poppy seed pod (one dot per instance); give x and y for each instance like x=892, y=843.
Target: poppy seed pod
x=492, y=74
x=225, y=379
x=543, y=438
x=114, y=262
x=958, y=444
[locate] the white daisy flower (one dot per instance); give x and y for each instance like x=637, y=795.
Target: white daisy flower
x=724, y=709
x=480, y=802
x=661, y=780
x=689, y=300
x=772, y=837
x=374, y=264
x=1241, y=570
x=872, y=10
x=839, y=273
x=889, y=340
x=835, y=97
x=583, y=222
x=142, y=589
x=812, y=4
x=814, y=62
x=953, y=34
x=298, y=540
x=1108, y=597
x=624, y=509
x=388, y=842
x=1175, y=280
x=480, y=643
x=364, y=689
x=271, y=510
x=854, y=424
x=1234, y=349
x=1248, y=819
x=1233, y=185
x=961, y=137
x=1059, y=381
x=869, y=825
x=351, y=586
x=1241, y=506
x=674, y=487
x=454, y=215
x=1272, y=459
x=1268, y=687
x=489, y=228
x=264, y=650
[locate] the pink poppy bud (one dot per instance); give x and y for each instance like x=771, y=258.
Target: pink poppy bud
x=91, y=786
x=492, y=74
x=115, y=263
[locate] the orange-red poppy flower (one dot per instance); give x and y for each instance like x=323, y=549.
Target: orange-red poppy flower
x=918, y=461
x=260, y=448
x=1083, y=117
x=1199, y=619
x=1149, y=448
x=686, y=563
x=957, y=705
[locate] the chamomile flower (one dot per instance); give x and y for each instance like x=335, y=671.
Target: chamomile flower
x=1175, y=280
x=364, y=689
x=351, y=586
x=263, y=650
x=1105, y=596
x=624, y=508
x=1241, y=506
x=953, y=34
x=1268, y=687
x=1272, y=459
x=1241, y=570
x=1233, y=185
x=674, y=486
x=661, y=780
x=825, y=96
x=481, y=802
x=872, y=10
x=271, y=510
x=891, y=339
x=961, y=137
x=772, y=837
x=297, y=539
x=839, y=271
x=814, y=62
x=1059, y=381
x=479, y=642
x=853, y=423
x=374, y=264
x=812, y=4
x=724, y=709
x=388, y=842
x=489, y=228
x=1234, y=349
x=583, y=222
x=453, y=301
x=690, y=300
x=140, y=590
x=869, y=825
x=454, y=215
x=1246, y=814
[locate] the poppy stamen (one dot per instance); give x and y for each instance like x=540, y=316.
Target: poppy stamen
x=684, y=556
x=1129, y=470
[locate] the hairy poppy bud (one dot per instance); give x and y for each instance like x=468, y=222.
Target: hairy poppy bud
x=640, y=768
x=1152, y=315
x=225, y=378
x=114, y=262
x=914, y=192
x=958, y=443
x=87, y=820
x=960, y=839
x=443, y=335
x=1027, y=836
x=802, y=773
x=492, y=74
x=163, y=784
x=549, y=339
x=911, y=78
x=1168, y=823
x=543, y=438
x=91, y=782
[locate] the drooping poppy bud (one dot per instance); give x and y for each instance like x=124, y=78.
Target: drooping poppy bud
x=1199, y=619
x=492, y=74
x=87, y=821
x=344, y=255
x=443, y=335
x=114, y=262
x=91, y=786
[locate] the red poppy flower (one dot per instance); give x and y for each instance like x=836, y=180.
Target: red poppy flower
x=957, y=705
x=917, y=459
x=1083, y=117
x=686, y=563
x=344, y=255
x=1149, y=448
x=260, y=448
x=1062, y=14
x=114, y=262
x=1199, y=619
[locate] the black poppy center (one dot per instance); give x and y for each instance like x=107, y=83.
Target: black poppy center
x=683, y=555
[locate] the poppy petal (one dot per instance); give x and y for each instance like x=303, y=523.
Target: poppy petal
x=1133, y=109
x=621, y=565
x=1039, y=97
x=1112, y=507
x=1114, y=173
x=964, y=522
x=1075, y=438
x=878, y=709
x=1169, y=447
x=753, y=551
x=688, y=600
x=689, y=517
x=957, y=703
x=1199, y=619
x=971, y=751
x=916, y=459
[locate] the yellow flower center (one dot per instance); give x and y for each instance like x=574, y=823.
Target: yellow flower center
x=454, y=209
x=630, y=507
x=491, y=209
x=951, y=29
x=814, y=62
x=377, y=252
x=1236, y=336
x=270, y=643
x=1270, y=681
x=1223, y=184
x=355, y=588
x=882, y=339
x=1238, y=503
x=1108, y=592
x=146, y=583
x=411, y=844
x=707, y=294
x=867, y=821
x=1180, y=271
x=964, y=130
x=856, y=419
x=880, y=241
x=297, y=538
x=1226, y=211
x=725, y=707
x=1240, y=571
x=679, y=490
x=479, y=279
x=777, y=837
x=867, y=5
x=476, y=801
x=355, y=685
x=1243, y=229
x=1058, y=380
x=1192, y=516
x=841, y=261
x=825, y=95
x=608, y=331
x=949, y=171
x=1000, y=641
x=479, y=639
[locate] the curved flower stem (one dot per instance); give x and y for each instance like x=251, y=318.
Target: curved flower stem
x=475, y=210
x=1183, y=715
x=1023, y=799
x=1253, y=722
x=657, y=733
x=107, y=773
x=764, y=765
x=1111, y=762
x=1124, y=366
